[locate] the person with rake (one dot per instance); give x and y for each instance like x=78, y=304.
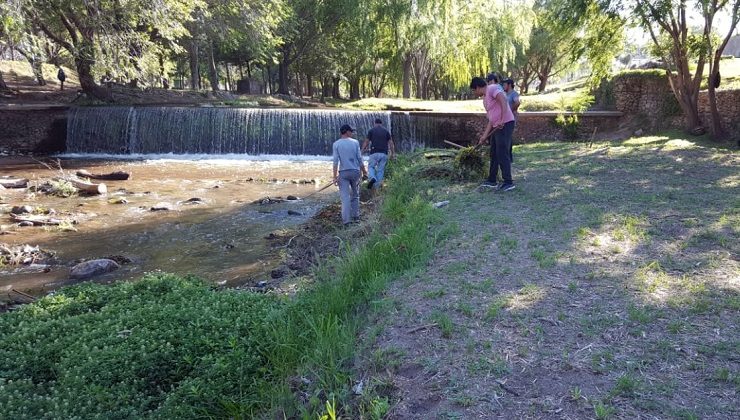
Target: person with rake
x=499, y=131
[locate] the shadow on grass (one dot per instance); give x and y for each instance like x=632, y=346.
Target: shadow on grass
x=632, y=246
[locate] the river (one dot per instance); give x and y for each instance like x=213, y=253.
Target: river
x=222, y=239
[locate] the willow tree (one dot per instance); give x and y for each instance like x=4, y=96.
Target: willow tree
x=567, y=32
x=85, y=29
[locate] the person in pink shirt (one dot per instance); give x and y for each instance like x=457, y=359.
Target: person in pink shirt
x=499, y=131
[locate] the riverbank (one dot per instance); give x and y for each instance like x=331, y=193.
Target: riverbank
x=174, y=347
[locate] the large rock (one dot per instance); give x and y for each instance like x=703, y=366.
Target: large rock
x=22, y=209
x=92, y=268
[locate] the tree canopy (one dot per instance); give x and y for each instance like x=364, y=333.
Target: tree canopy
x=422, y=48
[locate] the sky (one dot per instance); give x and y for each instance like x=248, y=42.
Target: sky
x=640, y=37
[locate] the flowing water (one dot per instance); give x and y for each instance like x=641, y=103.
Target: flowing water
x=221, y=240
x=126, y=130
x=223, y=130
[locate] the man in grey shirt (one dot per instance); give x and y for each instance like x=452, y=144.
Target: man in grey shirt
x=347, y=167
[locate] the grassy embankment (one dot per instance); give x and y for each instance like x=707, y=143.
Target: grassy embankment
x=171, y=347
x=607, y=285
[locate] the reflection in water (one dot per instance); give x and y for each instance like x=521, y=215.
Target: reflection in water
x=221, y=239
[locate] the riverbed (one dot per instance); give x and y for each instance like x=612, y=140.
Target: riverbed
x=213, y=229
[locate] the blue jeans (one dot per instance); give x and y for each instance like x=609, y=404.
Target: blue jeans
x=376, y=167
x=349, y=193
x=501, y=153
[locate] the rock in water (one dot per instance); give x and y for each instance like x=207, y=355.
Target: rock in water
x=92, y=268
x=294, y=213
x=291, y=198
x=22, y=209
x=162, y=207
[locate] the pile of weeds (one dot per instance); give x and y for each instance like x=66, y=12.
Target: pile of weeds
x=471, y=163
x=464, y=164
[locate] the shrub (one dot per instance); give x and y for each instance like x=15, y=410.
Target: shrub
x=569, y=124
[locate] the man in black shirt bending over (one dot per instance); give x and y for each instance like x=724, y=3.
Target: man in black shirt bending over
x=381, y=147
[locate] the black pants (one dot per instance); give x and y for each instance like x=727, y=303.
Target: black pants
x=501, y=145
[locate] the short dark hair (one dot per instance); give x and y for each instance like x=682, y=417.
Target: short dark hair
x=346, y=128
x=378, y=121
x=493, y=77
x=478, y=82
x=509, y=81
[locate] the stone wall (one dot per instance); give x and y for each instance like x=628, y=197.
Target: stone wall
x=465, y=128
x=36, y=130
x=728, y=104
x=646, y=97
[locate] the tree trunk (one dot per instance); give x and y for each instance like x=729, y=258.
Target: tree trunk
x=325, y=87
x=718, y=133
x=543, y=82
x=309, y=86
x=84, y=62
x=335, y=88
x=283, y=71
x=194, y=67
x=38, y=72
x=407, y=76
x=354, y=88
x=212, y=70
x=229, y=85
x=298, y=85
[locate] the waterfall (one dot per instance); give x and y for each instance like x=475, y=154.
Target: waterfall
x=221, y=130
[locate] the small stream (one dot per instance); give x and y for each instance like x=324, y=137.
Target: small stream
x=221, y=239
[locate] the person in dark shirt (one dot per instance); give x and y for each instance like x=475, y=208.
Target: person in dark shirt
x=381, y=147
x=62, y=77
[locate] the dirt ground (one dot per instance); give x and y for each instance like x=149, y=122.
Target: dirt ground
x=607, y=285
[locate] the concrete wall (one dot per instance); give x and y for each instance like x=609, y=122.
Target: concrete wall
x=32, y=129
x=464, y=128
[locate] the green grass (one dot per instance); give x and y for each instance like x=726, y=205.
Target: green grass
x=173, y=347
x=444, y=323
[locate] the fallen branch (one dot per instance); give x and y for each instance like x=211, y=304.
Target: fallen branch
x=37, y=220
x=550, y=321
x=10, y=182
x=506, y=388
x=112, y=176
x=87, y=187
x=421, y=327
x=27, y=296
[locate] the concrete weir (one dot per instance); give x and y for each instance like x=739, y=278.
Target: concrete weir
x=223, y=130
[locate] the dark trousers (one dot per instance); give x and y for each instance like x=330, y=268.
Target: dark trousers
x=501, y=145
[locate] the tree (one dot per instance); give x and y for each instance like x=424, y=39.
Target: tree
x=669, y=19
x=15, y=33
x=565, y=34
x=709, y=9
x=85, y=29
